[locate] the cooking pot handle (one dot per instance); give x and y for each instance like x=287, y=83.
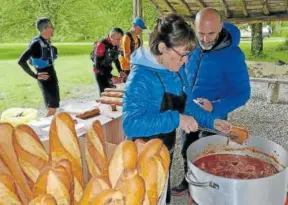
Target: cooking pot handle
x=200, y=184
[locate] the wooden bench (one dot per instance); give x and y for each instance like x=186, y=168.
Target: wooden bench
x=273, y=87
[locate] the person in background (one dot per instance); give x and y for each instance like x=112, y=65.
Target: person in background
x=105, y=53
x=157, y=98
x=217, y=75
x=129, y=43
x=41, y=55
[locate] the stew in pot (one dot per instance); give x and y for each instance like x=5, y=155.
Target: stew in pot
x=235, y=166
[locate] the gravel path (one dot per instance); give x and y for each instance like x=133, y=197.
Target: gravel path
x=262, y=119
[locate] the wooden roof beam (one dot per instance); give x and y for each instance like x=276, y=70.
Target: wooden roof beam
x=169, y=6
x=200, y=3
x=252, y=19
x=225, y=8
x=184, y=3
x=265, y=7
x=156, y=6
x=244, y=9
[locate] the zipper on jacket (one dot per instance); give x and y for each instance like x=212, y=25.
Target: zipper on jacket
x=197, y=70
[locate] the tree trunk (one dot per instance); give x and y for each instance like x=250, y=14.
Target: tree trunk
x=257, y=40
x=137, y=11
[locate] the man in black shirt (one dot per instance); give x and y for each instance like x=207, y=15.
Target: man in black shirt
x=41, y=55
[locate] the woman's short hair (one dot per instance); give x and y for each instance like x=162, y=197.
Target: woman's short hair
x=173, y=31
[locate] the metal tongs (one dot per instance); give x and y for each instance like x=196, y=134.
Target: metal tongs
x=237, y=134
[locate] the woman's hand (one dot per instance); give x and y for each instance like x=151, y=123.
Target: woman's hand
x=188, y=123
x=222, y=126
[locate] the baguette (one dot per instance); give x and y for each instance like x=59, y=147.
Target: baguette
x=88, y=114
x=31, y=154
x=56, y=179
x=9, y=158
x=110, y=100
x=95, y=186
x=8, y=191
x=4, y=170
x=109, y=197
x=165, y=156
x=132, y=187
x=64, y=144
x=154, y=176
x=44, y=199
x=112, y=94
x=151, y=148
x=96, y=151
x=114, y=90
x=124, y=157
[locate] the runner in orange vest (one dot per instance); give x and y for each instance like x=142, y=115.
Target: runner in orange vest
x=129, y=43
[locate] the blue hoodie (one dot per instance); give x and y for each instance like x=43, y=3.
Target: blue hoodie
x=143, y=96
x=222, y=74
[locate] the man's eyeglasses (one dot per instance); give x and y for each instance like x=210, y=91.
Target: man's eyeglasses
x=180, y=54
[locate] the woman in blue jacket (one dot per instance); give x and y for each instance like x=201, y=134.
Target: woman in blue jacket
x=157, y=97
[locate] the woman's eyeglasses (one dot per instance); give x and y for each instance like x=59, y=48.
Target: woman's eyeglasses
x=180, y=54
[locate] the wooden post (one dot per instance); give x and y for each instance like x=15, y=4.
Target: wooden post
x=137, y=11
x=273, y=92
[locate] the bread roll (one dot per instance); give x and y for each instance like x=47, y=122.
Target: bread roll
x=95, y=186
x=150, y=149
x=109, y=197
x=44, y=199
x=154, y=176
x=88, y=114
x=64, y=144
x=240, y=133
x=9, y=158
x=112, y=94
x=110, y=100
x=132, y=187
x=96, y=151
x=8, y=191
x=56, y=179
x=31, y=154
x=124, y=157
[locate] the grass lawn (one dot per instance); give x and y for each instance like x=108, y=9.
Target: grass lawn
x=17, y=89
x=74, y=69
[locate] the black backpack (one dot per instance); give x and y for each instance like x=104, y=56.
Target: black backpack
x=92, y=54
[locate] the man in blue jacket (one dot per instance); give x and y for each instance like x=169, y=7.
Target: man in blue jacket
x=217, y=74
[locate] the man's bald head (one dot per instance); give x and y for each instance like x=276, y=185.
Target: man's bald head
x=208, y=25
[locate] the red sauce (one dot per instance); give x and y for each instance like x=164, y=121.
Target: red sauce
x=235, y=166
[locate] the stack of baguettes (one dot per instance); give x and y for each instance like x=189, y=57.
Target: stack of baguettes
x=112, y=96
x=134, y=175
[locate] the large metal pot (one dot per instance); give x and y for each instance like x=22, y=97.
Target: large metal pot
x=208, y=189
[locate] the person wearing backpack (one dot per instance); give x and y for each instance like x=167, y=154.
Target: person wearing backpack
x=129, y=43
x=106, y=52
x=41, y=54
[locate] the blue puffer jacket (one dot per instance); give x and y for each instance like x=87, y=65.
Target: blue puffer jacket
x=143, y=97
x=223, y=75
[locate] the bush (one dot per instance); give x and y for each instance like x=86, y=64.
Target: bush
x=283, y=47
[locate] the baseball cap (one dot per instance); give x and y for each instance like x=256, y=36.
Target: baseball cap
x=139, y=22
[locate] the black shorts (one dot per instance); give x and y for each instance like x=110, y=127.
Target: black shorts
x=50, y=88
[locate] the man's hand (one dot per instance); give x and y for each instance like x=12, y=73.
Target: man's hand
x=115, y=80
x=205, y=104
x=222, y=126
x=123, y=74
x=42, y=76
